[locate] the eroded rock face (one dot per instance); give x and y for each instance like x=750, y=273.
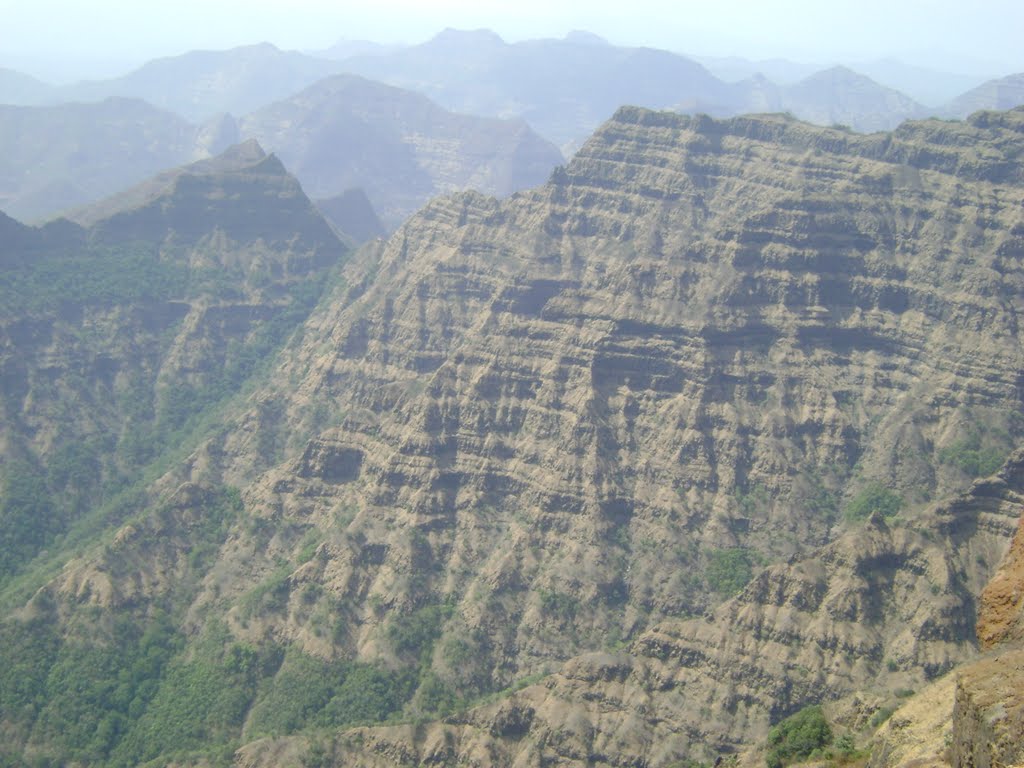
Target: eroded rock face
x=988, y=717
x=554, y=413
x=1001, y=618
x=566, y=402
x=881, y=608
x=974, y=716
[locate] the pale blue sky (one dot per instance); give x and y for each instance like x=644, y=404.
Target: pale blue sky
x=981, y=36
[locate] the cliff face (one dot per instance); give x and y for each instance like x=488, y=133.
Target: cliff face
x=1001, y=618
x=880, y=609
x=551, y=435
x=699, y=338
x=974, y=716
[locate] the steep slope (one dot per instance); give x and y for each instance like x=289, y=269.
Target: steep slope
x=677, y=350
x=399, y=146
x=115, y=337
x=812, y=630
x=58, y=157
x=548, y=436
x=975, y=715
x=352, y=214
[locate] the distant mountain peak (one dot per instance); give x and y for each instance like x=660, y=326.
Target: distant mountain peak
x=838, y=73
x=583, y=37
x=450, y=35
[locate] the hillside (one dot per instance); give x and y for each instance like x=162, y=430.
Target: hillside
x=716, y=424
x=117, y=338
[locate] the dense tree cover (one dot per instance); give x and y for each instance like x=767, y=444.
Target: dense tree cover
x=96, y=275
x=135, y=695
x=74, y=698
x=798, y=737
x=29, y=516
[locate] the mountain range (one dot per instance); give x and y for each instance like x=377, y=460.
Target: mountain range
x=346, y=420
x=342, y=133
x=717, y=427
x=72, y=145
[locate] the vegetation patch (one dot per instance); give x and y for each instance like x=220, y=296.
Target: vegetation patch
x=873, y=498
x=729, y=570
x=973, y=458
x=96, y=276
x=798, y=737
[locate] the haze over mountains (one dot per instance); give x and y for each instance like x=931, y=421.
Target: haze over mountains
x=562, y=88
x=699, y=442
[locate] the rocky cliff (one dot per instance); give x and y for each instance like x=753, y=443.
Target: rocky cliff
x=974, y=716
x=688, y=433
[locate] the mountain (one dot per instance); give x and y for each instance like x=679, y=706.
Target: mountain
x=200, y=85
x=398, y=146
x=923, y=84
x=346, y=48
x=685, y=356
x=1004, y=93
x=342, y=133
x=563, y=88
x=19, y=88
x=352, y=214
x=151, y=314
x=842, y=96
x=736, y=68
x=63, y=156
x=566, y=88
x=718, y=427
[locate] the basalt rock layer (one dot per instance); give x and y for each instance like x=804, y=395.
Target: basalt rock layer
x=550, y=436
x=700, y=340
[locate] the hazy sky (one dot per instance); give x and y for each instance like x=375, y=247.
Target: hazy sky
x=984, y=35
